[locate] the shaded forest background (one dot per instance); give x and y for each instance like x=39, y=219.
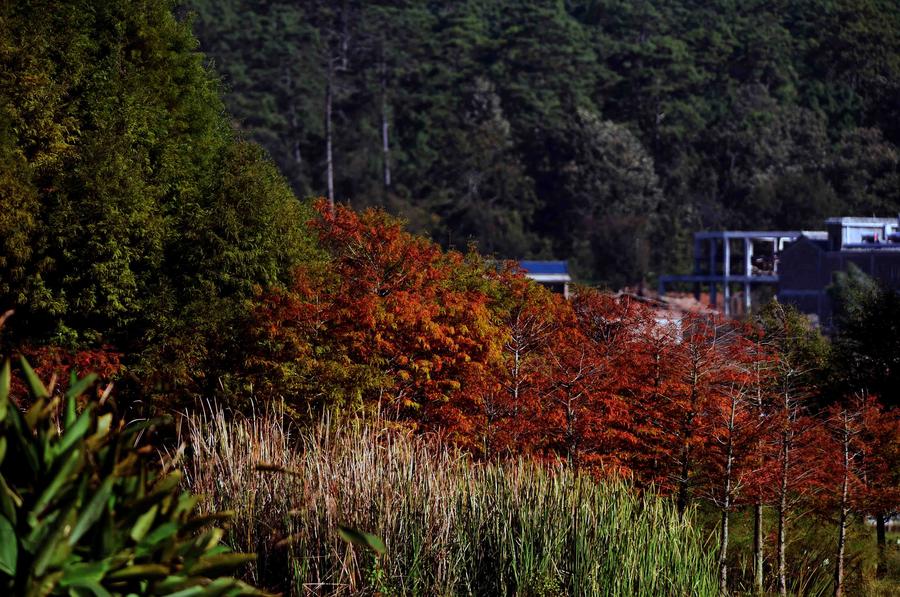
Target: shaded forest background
x=600, y=131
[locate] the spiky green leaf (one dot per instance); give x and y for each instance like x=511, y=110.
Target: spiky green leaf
x=362, y=539
x=9, y=547
x=75, y=431
x=219, y=564
x=140, y=572
x=86, y=574
x=4, y=389
x=51, y=492
x=93, y=510
x=143, y=524
x=35, y=385
x=78, y=388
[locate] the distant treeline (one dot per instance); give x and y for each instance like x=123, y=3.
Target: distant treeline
x=602, y=131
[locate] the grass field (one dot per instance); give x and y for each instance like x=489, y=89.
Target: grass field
x=451, y=526
x=810, y=555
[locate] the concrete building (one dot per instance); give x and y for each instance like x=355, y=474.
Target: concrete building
x=798, y=265
x=735, y=261
x=808, y=265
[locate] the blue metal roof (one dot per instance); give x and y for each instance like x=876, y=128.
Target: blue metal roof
x=545, y=267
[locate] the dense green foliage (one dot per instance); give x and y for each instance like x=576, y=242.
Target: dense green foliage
x=803, y=352
x=132, y=214
x=83, y=510
x=451, y=526
x=867, y=336
x=602, y=131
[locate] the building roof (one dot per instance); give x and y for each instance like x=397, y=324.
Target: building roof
x=861, y=221
x=758, y=234
x=546, y=271
x=545, y=267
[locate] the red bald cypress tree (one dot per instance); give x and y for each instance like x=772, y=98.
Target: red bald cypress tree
x=389, y=319
x=527, y=316
x=880, y=446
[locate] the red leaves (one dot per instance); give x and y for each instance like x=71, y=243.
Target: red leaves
x=880, y=451
x=587, y=377
x=870, y=436
x=410, y=321
x=698, y=406
x=50, y=361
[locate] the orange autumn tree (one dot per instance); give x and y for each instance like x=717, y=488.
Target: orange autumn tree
x=57, y=365
x=293, y=354
x=585, y=413
x=843, y=449
x=729, y=466
x=686, y=367
x=791, y=452
x=657, y=384
x=527, y=315
x=880, y=445
x=696, y=414
x=859, y=468
x=388, y=319
x=615, y=326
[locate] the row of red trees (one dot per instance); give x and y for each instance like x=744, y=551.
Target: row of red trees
x=700, y=407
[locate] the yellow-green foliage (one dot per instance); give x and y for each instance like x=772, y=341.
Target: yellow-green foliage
x=133, y=215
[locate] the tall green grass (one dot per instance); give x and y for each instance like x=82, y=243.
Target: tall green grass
x=451, y=526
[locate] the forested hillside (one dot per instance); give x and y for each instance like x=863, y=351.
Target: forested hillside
x=603, y=131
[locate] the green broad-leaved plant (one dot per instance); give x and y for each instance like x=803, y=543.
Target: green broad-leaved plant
x=84, y=511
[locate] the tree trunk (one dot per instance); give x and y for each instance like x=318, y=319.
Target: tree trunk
x=839, y=564
x=345, y=35
x=726, y=506
x=683, y=488
x=329, y=161
x=723, y=554
x=385, y=140
x=295, y=137
x=842, y=524
x=881, y=533
x=571, y=448
x=295, y=128
x=758, y=542
x=758, y=548
x=687, y=426
x=782, y=514
x=782, y=544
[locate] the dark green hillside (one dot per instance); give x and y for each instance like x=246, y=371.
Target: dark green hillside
x=603, y=131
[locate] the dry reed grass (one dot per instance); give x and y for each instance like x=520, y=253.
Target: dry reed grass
x=451, y=526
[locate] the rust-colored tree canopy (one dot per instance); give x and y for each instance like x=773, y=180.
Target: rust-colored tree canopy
x=699, y=407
